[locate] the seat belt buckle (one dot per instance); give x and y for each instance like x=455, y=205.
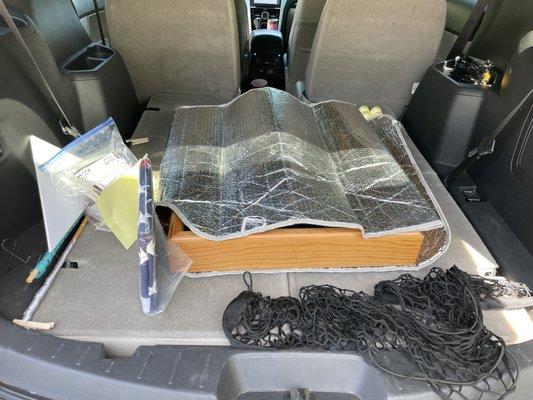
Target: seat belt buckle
x=484, y=148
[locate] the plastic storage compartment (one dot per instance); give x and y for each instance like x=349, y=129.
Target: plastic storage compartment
x=442, y=116
x=88, y=59
x=103, y=85
x=271, y=375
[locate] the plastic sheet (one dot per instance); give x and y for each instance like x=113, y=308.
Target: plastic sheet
x=162, y=264
x=266, y=160
x=89, y=164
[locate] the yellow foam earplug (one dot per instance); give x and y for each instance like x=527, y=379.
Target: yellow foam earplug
x=376, y=112
x=371, y=114
x=365, y=112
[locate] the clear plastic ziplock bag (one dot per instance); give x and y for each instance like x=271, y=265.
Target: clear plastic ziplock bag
x=162, y=264
x=87, y=165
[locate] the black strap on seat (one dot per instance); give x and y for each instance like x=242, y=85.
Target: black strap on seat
x=471, y=26
x=99, y=21
x=487, y=145
x=64, y=122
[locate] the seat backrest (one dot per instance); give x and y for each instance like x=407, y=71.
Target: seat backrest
x=87, y=14
x=373, y=52
x=244, y=26
x=177, y=46
x=302, y=34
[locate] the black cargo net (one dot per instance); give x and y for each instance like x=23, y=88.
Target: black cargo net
x=427, y=329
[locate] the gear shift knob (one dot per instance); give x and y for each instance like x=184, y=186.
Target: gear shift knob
x=258, y=22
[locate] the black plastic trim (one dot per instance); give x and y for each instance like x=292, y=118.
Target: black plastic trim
x=50, y=367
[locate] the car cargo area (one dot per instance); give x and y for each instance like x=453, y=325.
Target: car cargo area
x=97, y=300
x=266, y=199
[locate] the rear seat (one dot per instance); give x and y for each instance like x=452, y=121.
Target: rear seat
x=373, y=52
x=304, y=25
x=188, y=50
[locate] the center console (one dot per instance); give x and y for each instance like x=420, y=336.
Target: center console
x=266, y=66
x=103, y=86
x=265, y=14
x=266, y=62
x=443, y=126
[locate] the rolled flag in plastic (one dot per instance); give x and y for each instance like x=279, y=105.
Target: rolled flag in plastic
x=146, y=239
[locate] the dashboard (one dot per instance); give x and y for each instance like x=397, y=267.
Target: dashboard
x=265, y=2
x=265, y=14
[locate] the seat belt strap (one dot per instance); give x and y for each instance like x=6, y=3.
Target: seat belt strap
x=471, y=25
x=487, y=145
x=64, y=122
x=99, y=21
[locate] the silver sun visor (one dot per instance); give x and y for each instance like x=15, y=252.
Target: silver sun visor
x=267, y=160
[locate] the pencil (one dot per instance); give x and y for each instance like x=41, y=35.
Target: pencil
x=38, y=298
x=45, y=262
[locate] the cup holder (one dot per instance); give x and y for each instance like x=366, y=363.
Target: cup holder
x=89, y=59
x=99, y=52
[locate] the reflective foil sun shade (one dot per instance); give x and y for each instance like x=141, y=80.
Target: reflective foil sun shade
x=267, y=160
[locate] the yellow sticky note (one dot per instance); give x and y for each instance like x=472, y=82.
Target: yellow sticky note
x=119, y=207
